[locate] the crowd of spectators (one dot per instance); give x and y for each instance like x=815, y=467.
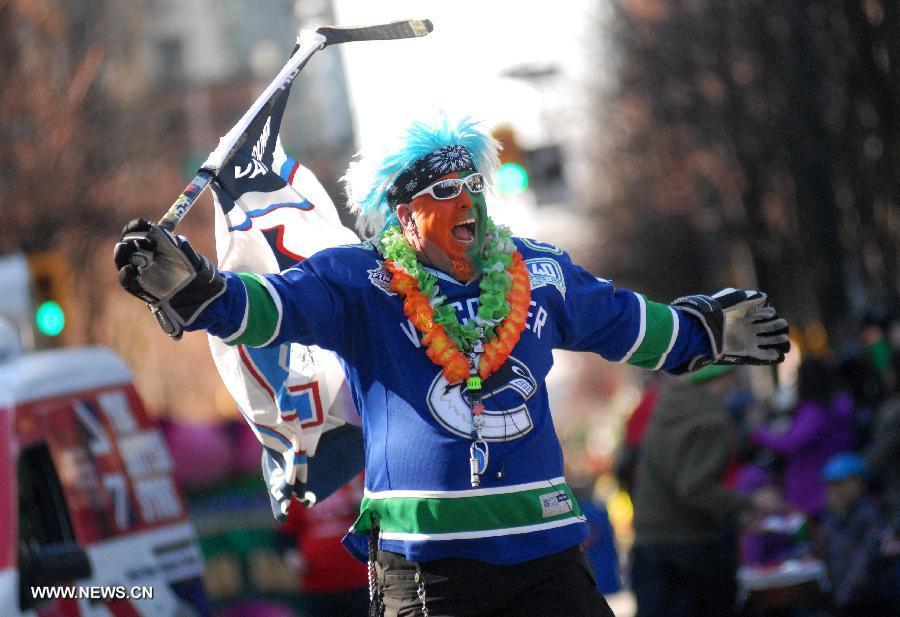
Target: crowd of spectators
x=787, y=505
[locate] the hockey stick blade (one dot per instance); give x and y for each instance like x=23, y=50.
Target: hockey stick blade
x=404, y=29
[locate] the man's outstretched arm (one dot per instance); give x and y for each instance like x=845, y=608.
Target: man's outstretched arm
x=187, y=293
x=730, y=327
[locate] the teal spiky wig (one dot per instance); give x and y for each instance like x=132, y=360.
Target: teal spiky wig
x=370, y=178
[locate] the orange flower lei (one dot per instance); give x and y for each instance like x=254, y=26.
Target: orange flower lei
x=442, y=349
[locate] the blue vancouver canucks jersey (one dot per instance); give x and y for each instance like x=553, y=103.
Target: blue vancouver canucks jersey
x=418, y=427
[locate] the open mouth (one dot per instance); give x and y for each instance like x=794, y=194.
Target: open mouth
x=464, y=231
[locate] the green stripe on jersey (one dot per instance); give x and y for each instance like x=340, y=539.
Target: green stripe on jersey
x=659, y=324
x=482, y=515
x=262, y=313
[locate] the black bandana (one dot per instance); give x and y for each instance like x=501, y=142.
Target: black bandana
x=424, y=171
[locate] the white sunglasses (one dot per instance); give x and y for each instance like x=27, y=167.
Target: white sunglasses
x=452, y=187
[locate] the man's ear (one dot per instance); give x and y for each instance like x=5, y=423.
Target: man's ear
x=408, y=226
x=404, y=214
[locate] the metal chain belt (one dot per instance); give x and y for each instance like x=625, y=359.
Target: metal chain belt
x=420, y=590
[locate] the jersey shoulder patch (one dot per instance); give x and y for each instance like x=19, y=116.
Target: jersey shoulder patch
x=544, y=271
x=381, y=278
x=350, y=265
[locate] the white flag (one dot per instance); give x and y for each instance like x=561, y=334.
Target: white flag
x=271, y=213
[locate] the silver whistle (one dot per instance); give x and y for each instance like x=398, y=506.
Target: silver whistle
x=474, y=474
x=478, y=461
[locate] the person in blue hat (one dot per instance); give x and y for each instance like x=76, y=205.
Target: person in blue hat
x=863, y=579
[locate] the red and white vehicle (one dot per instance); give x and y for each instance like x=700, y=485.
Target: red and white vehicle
x=89, y=507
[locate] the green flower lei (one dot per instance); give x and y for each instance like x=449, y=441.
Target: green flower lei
x=495, y=283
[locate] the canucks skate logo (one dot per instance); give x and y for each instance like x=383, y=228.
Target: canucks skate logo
x=256, y=167
x=505, y=398
x=381, y=278
x=543, y=271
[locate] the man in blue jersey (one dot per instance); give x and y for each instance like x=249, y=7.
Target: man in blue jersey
x=445, y=325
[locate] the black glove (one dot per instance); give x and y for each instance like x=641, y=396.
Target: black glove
x=164, y=271
x=741, y=328
x=754, y=332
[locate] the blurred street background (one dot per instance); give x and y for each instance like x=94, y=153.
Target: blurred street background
x=673, y=146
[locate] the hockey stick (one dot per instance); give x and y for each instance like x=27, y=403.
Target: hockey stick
x=308, y=43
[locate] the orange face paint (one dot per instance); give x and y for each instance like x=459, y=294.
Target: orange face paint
x=452, y=230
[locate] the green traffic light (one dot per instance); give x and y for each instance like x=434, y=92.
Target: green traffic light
x=512, y=179
x=49, y=318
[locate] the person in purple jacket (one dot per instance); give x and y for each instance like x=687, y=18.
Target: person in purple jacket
x=822, y=426
x=773, y=539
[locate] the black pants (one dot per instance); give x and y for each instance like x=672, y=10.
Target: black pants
x=869, y=609
x=684, y=580
x=350, y=603
x=559, y=585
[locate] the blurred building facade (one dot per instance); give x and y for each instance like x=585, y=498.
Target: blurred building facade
x=216, y=57
x=124, y=101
